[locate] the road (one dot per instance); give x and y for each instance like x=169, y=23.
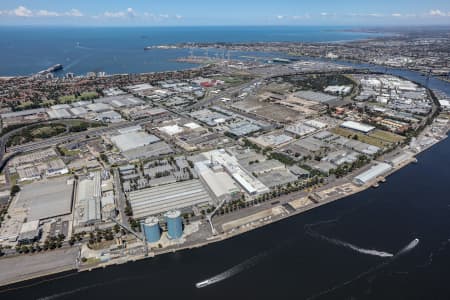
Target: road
x=120, y=198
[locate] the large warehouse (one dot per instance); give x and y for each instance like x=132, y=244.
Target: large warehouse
x=87, y=207
x=357, y=126
x=44, y=200
x=178, y=195
x=133, y=140
x=375, y=171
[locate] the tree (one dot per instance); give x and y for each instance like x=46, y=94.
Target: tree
x=14, y=190
x=104, y=158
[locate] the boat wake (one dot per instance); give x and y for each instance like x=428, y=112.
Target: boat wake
x=247, y=264
x=337, y=242
x=413, y=244
x=83, y=288
x=78, y=45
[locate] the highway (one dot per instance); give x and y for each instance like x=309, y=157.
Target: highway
x=59, y=139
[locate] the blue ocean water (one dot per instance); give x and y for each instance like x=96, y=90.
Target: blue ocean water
x=27, y=50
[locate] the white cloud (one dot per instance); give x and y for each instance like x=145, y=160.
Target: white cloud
x=396, y=15
x=327, y=14
x=279, y=17
x=438, y=13
x=131, y=13
x=22, y=11
x=128, y=13
x=46, y=13
x=301, y=17
x=74, y=13
x=117, y=14
x=178, y=17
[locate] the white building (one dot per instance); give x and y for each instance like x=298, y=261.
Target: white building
x=357, y=126
x=87, y=207
x=375, y=171
x=219, y=183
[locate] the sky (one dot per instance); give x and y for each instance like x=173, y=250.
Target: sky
x=229, y=12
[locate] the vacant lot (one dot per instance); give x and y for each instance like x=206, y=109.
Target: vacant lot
x=351, y=134
x=34, y=265
x=386, y=136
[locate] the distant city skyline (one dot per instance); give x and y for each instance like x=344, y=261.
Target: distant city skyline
x=231, y=12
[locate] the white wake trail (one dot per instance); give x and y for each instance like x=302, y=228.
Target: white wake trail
x=337, y=242
x=233, y=271
x=359, y=249
x=413, y=244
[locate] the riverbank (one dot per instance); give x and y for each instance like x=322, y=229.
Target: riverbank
x=26, y=267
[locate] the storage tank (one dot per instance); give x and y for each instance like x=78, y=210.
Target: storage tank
x=174, y=224
x=151, y=230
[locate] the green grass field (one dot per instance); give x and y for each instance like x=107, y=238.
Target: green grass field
x=73, y=98
x=386, y=136
x=361, y=137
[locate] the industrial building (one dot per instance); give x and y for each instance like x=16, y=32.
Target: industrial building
x=231, y=165
x=219, y=183
x=357, y=126
x=174, y=224
x=178, y=195
x=43, y=200
x=171, y=129
x=133, y=140
x=120, y=101
x=59, y=114
x=271, y=140
x=29, y=232
x=150, y=228
x=300, y=129
x=22, y=113
x=87, y=205
x=209, y=117
x=375, y=171
x=316, y=96
x=243, y=128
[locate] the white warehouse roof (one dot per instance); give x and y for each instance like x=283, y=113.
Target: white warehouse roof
x=133, y=140
x=171, y=129
x=178, y=195
x=220, y=183
x=374, y=172
x=357, y=126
